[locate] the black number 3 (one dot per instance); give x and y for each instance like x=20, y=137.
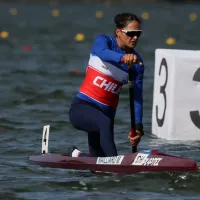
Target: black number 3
x=195, y=117
x=162, y=91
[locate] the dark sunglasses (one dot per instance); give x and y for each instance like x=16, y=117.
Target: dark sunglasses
x=132, y=33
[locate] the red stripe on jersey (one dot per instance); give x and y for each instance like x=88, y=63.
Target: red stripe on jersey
x=100, y=87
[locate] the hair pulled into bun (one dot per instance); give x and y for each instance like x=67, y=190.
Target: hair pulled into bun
x=123, y=19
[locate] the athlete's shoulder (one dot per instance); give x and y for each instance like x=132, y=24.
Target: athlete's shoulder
x=103, y=42
x=103, y=38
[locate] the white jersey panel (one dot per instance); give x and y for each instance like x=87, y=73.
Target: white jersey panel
x=108, y=69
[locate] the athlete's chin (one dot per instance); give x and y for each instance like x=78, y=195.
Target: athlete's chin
x=132, y=45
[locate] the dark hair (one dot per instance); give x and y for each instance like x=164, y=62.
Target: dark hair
x=123, y=19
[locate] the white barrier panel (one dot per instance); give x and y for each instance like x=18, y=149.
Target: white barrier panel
x=176, y=97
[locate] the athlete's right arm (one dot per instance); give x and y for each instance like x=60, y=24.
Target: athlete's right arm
x=102, y=50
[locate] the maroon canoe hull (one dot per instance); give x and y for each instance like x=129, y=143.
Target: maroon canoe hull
x=129, y=164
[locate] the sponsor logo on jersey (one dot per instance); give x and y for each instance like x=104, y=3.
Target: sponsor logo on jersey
x=105, y=67
x=114, y=160
x=142, y=159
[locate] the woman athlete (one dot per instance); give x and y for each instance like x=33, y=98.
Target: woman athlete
x=94, y=106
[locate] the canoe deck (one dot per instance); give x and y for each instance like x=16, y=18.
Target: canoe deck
x=147, y=161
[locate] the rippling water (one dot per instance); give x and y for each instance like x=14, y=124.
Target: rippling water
x=37, y=87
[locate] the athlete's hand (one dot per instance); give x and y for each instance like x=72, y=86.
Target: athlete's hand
x=131, y=59
x=136, y=139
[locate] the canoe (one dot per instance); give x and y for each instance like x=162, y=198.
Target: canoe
x=143, y=161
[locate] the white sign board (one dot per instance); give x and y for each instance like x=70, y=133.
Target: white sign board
x=45, y=139
x=176, y=97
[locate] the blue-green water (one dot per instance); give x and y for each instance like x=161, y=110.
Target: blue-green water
x=37, y=87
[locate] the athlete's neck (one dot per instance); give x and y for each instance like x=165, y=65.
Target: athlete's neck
x=124, y=48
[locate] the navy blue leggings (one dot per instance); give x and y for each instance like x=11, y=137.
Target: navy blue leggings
x=100, y=128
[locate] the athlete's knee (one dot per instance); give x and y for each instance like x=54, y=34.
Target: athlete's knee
x=73, y=120
x=82, y=122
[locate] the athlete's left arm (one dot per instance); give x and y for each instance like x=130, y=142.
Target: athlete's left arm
x=138, y=95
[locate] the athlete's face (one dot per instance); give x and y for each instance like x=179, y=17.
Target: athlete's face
x=128, y=36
